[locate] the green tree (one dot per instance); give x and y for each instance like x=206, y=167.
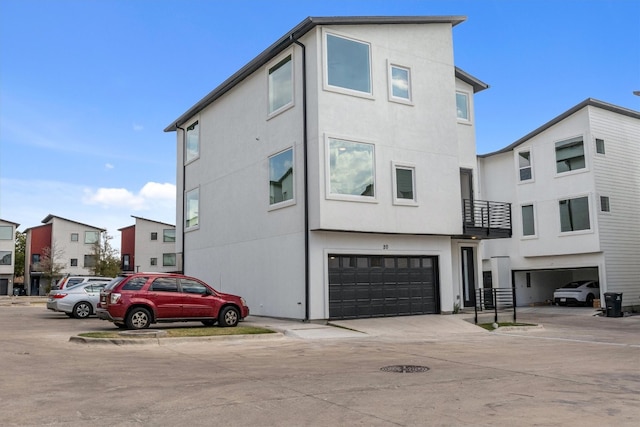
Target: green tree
x=21, y=246
x=107, y=259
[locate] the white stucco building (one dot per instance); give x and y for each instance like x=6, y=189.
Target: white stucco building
x=574, y=184
x=7, y=255
x=326, y=178
x=149, y=245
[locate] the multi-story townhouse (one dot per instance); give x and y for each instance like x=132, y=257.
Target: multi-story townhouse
x=7, y=255
x=326, y=178
x=67, y=244
x=149, y=246
x=574, y=184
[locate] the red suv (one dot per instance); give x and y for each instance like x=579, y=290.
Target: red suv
x=135, y=301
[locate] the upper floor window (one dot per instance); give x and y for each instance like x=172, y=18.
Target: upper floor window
x=348, y=64
x=600, y=146
x=280, y=85
x=5, y=257
x=169, y=235
x=524, y=165
x=154, y=235
x=6, y=232
x=605, y=206
x=168, y=260
x=570, y=155
x=462, y=106
x=191, y=208
x=35, y=258
x=400, y=83
x=74, y=237
x=91, y=237
x=192, y=146
x=574, y=214
x=351, y=168
x=404, y=183
x=281, y=177
x=528, y=221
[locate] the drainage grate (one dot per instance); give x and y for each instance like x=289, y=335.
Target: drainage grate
x=405, y=369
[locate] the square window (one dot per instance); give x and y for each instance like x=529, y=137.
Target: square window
x=91, y=237
x=154, y=235
x=348, y=64
x=5, y=257
x=404, y=184
x=570, y=155
x=74, y=237
x=281, y=177
x=462, y=106
x=168, y=260
x=192, y=147
x=574, y=214
x=154, y=261
x=400, y=83
x=351, y=168
x=89, y=261
x=74, y=262
x=524, y=165
x=169, y=235
x=191, y=208
x=6, y=232
x=600, y=146
x=528, y=223
x=280, y=84
x=604, y=204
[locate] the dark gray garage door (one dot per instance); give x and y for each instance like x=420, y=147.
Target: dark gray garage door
x=375, y=286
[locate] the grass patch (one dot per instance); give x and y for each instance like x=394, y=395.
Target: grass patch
x=490, y=327
x=189, y=332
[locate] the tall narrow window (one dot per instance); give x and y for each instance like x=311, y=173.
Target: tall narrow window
x=574, y=214
x=570, y=155
x=528, y=224
x=599, y=146
x=462, y=106
x=348, y=64
x=524, y=164
x=280, y=85
x=191, y=209
x=400, y=83
x=281, y=177
x=604, y=204
x=404, y=184
x=351, y=168
x=192, y=146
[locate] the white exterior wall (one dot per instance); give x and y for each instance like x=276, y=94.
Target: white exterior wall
x=147, y=248
x=61, y=240
x=9, y=245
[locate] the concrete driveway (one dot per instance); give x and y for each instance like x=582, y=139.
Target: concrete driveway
x=556, y=376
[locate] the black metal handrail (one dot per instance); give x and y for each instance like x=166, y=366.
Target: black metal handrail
x=486, y=214
x=495, y=299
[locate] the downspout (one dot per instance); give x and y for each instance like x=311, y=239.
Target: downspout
x=184, y=183
x=306, y=178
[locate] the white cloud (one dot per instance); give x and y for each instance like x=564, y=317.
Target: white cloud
x=109, y=166
x=138, y=127
x=152, y=195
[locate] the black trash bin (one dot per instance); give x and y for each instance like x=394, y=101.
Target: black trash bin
x=613, y=304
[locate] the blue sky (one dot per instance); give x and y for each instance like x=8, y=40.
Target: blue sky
x=87, y=87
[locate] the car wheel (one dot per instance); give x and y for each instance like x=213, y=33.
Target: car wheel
x=82, y=310
x=209, y=322
x=138, y=318
x=229, y=316
x=589, y=302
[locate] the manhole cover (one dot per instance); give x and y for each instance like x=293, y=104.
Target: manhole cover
x=405, y=369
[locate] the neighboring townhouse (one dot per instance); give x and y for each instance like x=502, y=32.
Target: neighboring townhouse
x=334, y=175
x=149, y=246
x=574, y=184
x=7, y=255
x=59, y=244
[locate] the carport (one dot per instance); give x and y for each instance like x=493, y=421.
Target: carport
x=535, y=287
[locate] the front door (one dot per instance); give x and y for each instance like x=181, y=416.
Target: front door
x=468, y=276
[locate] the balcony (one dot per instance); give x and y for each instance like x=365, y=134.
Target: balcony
x=482, y=219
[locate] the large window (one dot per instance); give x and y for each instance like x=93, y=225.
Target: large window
x=404, y=183
x=169, y=235
x=524, y=165
x=192, y=147
x=570, y=155
x=6, y=232
x=574, y=214
x=528, y=221
x=348, y=64
x=280, y=85
x=351, y=168
x=462, y=106
x=89, y=261
x=91, y=237
x=281, y=177
x=168, y=260
x=5, y=258
x=191, y=209
x=400, y=83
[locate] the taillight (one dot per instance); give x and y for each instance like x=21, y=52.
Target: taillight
x=115, y=298
x=58, y=296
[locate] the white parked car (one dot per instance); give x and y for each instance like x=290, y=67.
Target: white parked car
x=79, y=301
x=577, y=292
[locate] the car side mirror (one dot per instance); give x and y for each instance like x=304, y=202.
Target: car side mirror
x=207, y=292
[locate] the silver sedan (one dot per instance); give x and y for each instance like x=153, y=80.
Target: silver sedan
x=79, y=301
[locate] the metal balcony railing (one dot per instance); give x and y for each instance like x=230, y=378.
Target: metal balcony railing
x=486, y=219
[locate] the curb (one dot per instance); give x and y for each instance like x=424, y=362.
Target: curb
x=168, y=340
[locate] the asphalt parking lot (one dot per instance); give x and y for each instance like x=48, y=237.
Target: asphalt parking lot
x=575, y=370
